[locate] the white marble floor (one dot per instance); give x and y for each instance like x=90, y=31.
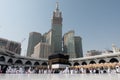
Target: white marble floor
x=59, y=76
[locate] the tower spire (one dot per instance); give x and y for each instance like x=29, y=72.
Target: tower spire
x=56, y=35
x=57, y=12
x=57, y=5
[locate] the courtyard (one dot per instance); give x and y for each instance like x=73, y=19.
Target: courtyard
x=59, y=76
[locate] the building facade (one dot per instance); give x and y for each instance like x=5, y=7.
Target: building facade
x=47, y=37
x=69, y=44
x=34, y=39
x=56, y=37
x=78, y=46
x=10, y=45
x=41, y=50
x=93, y=53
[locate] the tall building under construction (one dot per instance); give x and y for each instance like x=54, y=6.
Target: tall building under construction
x=52, y=41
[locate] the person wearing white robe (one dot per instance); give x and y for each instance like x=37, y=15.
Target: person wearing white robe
x=82, y=70
x=49, y=71
x=9, y=70
x=29, y=71
x=40, y=71
x=45, y=71
x=21, y=71
x=71, y=71
x=117, y=69
x=66, y=71
x=108, y=70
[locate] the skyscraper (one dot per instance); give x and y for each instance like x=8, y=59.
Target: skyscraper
x=47, y=37
x=56, y=37
x=51, y=41
x=10, y=45
x=41, y=50
x=34, y=39
x=78, y=46
x=69, y=45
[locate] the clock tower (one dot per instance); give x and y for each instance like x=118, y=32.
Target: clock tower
x=56, y=38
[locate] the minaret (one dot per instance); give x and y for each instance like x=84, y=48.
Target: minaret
x=56, y=38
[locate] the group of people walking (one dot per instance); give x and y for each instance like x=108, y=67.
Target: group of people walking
x=67, y=70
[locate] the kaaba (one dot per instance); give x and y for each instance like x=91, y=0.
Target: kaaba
x=58, y=60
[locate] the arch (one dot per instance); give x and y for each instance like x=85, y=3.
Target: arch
x=112, y=60
x=36, y=63
x=102, y=61
x=84, y=63
x=69, y=64
x=2, y=59
x=92, y=62
x=76, y=64
x=10, y=61
x=44, y=64
x=19, y=62
x=28, y=63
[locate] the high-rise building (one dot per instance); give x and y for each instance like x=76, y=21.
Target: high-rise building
x=34, y=39
x=47, y=37
x=3, y=43
x=78, y=46
x=69, y=44
x=93, y=53
x=41, y=50
x=10, y=45
x=56, y=37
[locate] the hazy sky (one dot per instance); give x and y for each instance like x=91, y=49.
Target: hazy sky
x=96, y=21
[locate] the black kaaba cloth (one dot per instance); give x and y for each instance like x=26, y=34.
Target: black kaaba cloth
x=63, y=56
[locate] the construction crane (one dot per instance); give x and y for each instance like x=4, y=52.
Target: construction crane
x=23, y=40
x=19, y=45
